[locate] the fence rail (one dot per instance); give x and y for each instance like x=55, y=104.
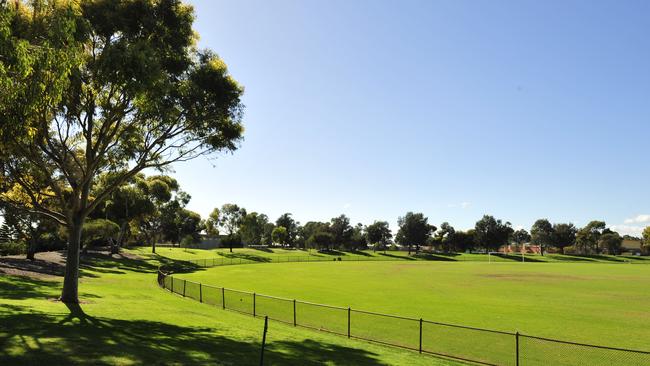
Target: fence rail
x=469, y=344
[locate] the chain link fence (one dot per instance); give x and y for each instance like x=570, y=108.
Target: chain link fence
x=475, y=345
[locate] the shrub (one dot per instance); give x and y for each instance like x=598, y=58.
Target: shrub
x=50, y=242
x=13, y=248
x=98, y=232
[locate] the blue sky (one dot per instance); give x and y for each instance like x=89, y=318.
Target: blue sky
x=521, y=109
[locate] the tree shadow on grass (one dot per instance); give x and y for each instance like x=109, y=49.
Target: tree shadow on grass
x=636, y=258
x=358, y=252
x=594, y=258
x=262, y=249
x=20, y=288
x=332, y=252
x=516, y=258
x=570, y=258
x=37, y=338
x=116, y=264
x=245, y=256
x=434, y=257
x=37, y=266
x=397, y=256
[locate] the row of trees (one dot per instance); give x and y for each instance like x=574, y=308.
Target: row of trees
x=488, y=234
x=145, y=210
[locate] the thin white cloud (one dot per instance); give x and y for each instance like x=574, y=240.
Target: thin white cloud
x=347, y=205
x=465, y=205
x=639, y=219
x=633, y=230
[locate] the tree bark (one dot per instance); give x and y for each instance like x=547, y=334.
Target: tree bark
x=153, y=246
x=31, y=247
x=115, y=246
x=31, y=250
x=70, y=293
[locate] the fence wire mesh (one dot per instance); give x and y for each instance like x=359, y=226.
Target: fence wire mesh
x=394, y=330
x=212, y=295
x=275, y=308
x=238, y=301
x=322, y=317
x=479, y=346
x=544, y=351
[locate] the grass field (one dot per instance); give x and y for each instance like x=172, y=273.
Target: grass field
x=127, y=320
x=600, y=303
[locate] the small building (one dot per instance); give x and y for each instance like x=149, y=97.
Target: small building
x=633, y=246
x=209, y=242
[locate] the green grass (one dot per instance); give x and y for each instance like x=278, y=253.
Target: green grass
x=127, y=320
x=602, y=303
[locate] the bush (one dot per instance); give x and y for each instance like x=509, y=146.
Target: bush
x=98, y=232
x=51, y=242
x=13, y=248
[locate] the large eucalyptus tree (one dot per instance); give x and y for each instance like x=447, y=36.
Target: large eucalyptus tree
x=96, y=87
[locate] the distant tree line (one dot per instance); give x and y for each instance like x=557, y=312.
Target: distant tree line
x=414, y=232
x=152, y=209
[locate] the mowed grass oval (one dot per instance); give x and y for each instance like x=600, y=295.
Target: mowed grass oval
x=572, y=301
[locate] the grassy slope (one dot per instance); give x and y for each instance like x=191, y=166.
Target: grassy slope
x=596, y=303
x=128, y=320
x=287, y=254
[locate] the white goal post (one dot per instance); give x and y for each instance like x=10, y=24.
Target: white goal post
x=499, y=254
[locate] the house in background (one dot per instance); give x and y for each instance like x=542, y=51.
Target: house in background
x=209, y=242
x=631, y=245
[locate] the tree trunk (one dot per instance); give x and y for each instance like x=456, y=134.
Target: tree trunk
x=70, y=293
x=120, y=239
x=153, y=246
x=31, y=248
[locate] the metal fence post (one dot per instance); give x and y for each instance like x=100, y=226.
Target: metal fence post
x=517, y=347
x=172, y=278
x=420, y=335
x=200, y=292
x=349, y=311
x=223, y=297
x=294, y=312
x=184, y=283
x=266, y=327
x=254, y=304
